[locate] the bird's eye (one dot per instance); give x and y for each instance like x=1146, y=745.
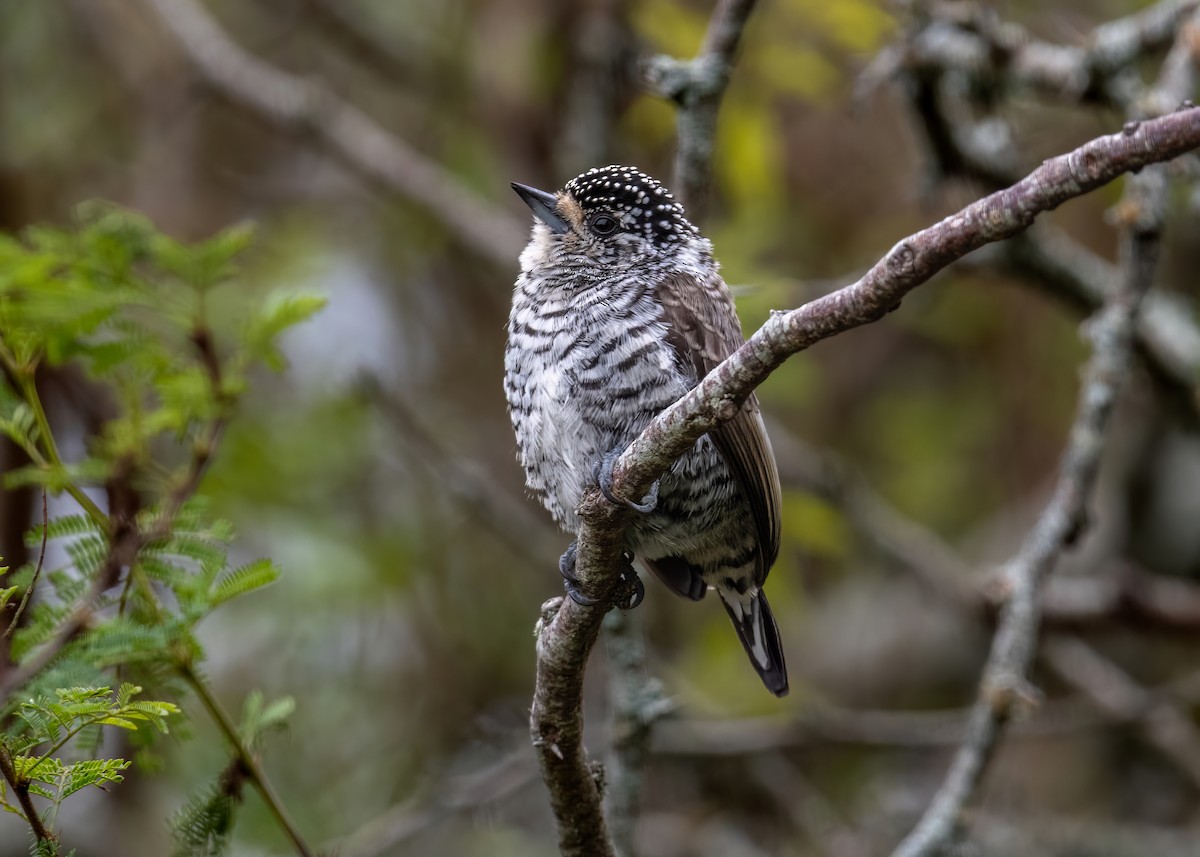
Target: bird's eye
x=602, y=224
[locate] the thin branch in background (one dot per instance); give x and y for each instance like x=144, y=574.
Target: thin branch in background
x=812, y=813
x=1124, y=594
x=969, y=38
x=637, y=704
x=1004, y=686
x=820, y=725
x=504, y=515
x=345, y=24
x=247, y=760
x=697, y=87
x=599, y=78
x=459, y=795
x=37, y=571
x=1168, y=338
x=306, y=105
x=569, y=630
x=1162, y=721
x=888, y=531
x=1095, y=837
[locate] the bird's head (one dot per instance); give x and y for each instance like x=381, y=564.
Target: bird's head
x=608, y=219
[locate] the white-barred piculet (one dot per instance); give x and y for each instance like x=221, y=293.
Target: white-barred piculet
x=618, y=312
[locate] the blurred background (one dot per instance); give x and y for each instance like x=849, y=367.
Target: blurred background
x=379, y=470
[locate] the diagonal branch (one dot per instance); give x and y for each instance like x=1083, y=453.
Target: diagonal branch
x=306, y=105
x=569, y=630
x=1165, y=724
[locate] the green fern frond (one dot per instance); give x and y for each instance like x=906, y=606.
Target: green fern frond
x=57, y=528
x=203, y=825
x=246, y=578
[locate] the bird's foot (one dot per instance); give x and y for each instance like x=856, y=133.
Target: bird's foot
x=630, y=592
x=566, y=567
x=603, y=474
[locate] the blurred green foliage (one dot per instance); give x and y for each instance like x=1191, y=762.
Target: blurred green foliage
x=126, y=305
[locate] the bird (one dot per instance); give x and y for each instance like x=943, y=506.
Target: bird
x=619, y=310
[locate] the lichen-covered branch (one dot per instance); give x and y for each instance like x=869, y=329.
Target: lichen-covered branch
x=569, y=630
x=970, y=38
x=697, y=86
x=1004, y=686
x=637, y=703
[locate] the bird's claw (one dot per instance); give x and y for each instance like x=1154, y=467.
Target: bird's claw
x=566, y=567
x=603, y=474
x=631, y=588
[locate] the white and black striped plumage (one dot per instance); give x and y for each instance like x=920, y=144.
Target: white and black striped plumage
x=619, y=311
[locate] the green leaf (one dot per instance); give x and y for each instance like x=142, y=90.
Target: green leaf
x=281, y=311
x=247, y=578
x=93, y=772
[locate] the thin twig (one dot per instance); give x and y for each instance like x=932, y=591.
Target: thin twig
x=812, y=813
x=37, y=571
x=458, y=795
x=969, y=38
x=817, y=726
x=1125, y=593
x=1163, y=722
x=569, y=630
x=248, y=760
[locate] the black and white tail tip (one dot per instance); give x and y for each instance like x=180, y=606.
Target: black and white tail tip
x=759, y=634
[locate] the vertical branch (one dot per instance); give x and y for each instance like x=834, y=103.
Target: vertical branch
x=637, y=704
x=697, y=86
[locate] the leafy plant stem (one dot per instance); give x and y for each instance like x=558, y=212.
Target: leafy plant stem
x=52, y=458
x=246, y=758
x=36, y=572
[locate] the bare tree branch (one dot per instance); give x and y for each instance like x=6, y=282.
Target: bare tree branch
x=569, y=630
x=697, y=86
x=307, y=105
x=638, y=703
x=821, y=725
x=1004, y=685
x=970, y=38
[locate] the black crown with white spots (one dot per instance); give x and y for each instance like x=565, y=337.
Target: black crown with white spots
x=639, y=201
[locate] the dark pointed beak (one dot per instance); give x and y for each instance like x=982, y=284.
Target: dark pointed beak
x=543, y=206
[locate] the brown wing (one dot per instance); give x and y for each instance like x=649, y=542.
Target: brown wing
x=703, y=327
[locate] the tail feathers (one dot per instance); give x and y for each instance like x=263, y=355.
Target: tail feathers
x=759, y=634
